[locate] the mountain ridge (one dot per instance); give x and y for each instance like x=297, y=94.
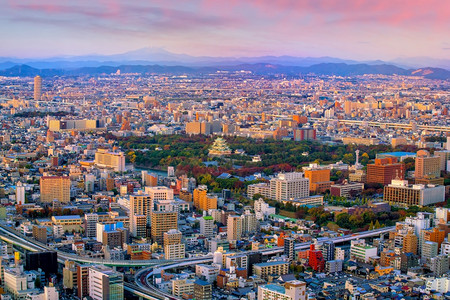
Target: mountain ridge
x=160, y=56
x=337, y=69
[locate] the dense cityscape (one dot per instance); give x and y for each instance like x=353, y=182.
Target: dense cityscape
x=224, y=150
x=224, y=186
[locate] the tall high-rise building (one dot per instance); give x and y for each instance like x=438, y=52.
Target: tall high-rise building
x=83, y=281
x=202, y=200
x=234, y=228
x=289, y=249
x=434, y=235
x=427, y=165
x=162, y=221
x=55, y=187
x=37, y=88
x=410, y=243
x=384, y=170
x=319, y=178
x=207, y=226
x=90, y=223
x=328, y=250
x=140, y=205
x=69, y=275
x=288, y=186
x=105, y=283
x=20, y=193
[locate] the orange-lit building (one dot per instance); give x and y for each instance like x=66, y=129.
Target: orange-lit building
x=203, y=201
x=300, y=119
x=384, y=170
x=434, y=235
x=410, y=242
x=319, y=179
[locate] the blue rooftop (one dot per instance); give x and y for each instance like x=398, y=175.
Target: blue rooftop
x=270, y=263
x=275, y=288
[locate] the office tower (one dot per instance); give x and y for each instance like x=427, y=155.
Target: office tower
x=40, y=233
x=427, y=165
x=399, y=192
x=20, y=193
x=207, y=226
x=46, y=261
x=105, y=283
x=202, y=290
x=162, y=221
x=288, y=186
x=37, y=88
x=107, y=159
x=410, y=243
x=203, y=201
x=55, y=187
x=328, y=250
x=140, y=205
x=83, y=281
x=70, y=275
x=289, y=249
x=234, y=228
x=384, y=170
x=319, y=178
x=90, y=223
x=149, y=179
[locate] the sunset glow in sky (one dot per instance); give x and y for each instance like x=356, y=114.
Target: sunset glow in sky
x=354, y=29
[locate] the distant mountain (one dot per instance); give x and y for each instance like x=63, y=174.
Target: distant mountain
x=159, y=56
x=338, y=69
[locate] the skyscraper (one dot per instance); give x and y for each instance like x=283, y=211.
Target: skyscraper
x=37, y=88
x=105, y=283
x=289, y=250
x=140, y=205
x=162, y=221
x=234, y=228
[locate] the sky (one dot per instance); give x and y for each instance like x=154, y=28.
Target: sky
x=351, y=29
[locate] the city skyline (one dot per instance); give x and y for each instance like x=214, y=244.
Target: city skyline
x=356, y=29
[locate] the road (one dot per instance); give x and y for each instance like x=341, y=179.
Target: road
x=143, y=277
